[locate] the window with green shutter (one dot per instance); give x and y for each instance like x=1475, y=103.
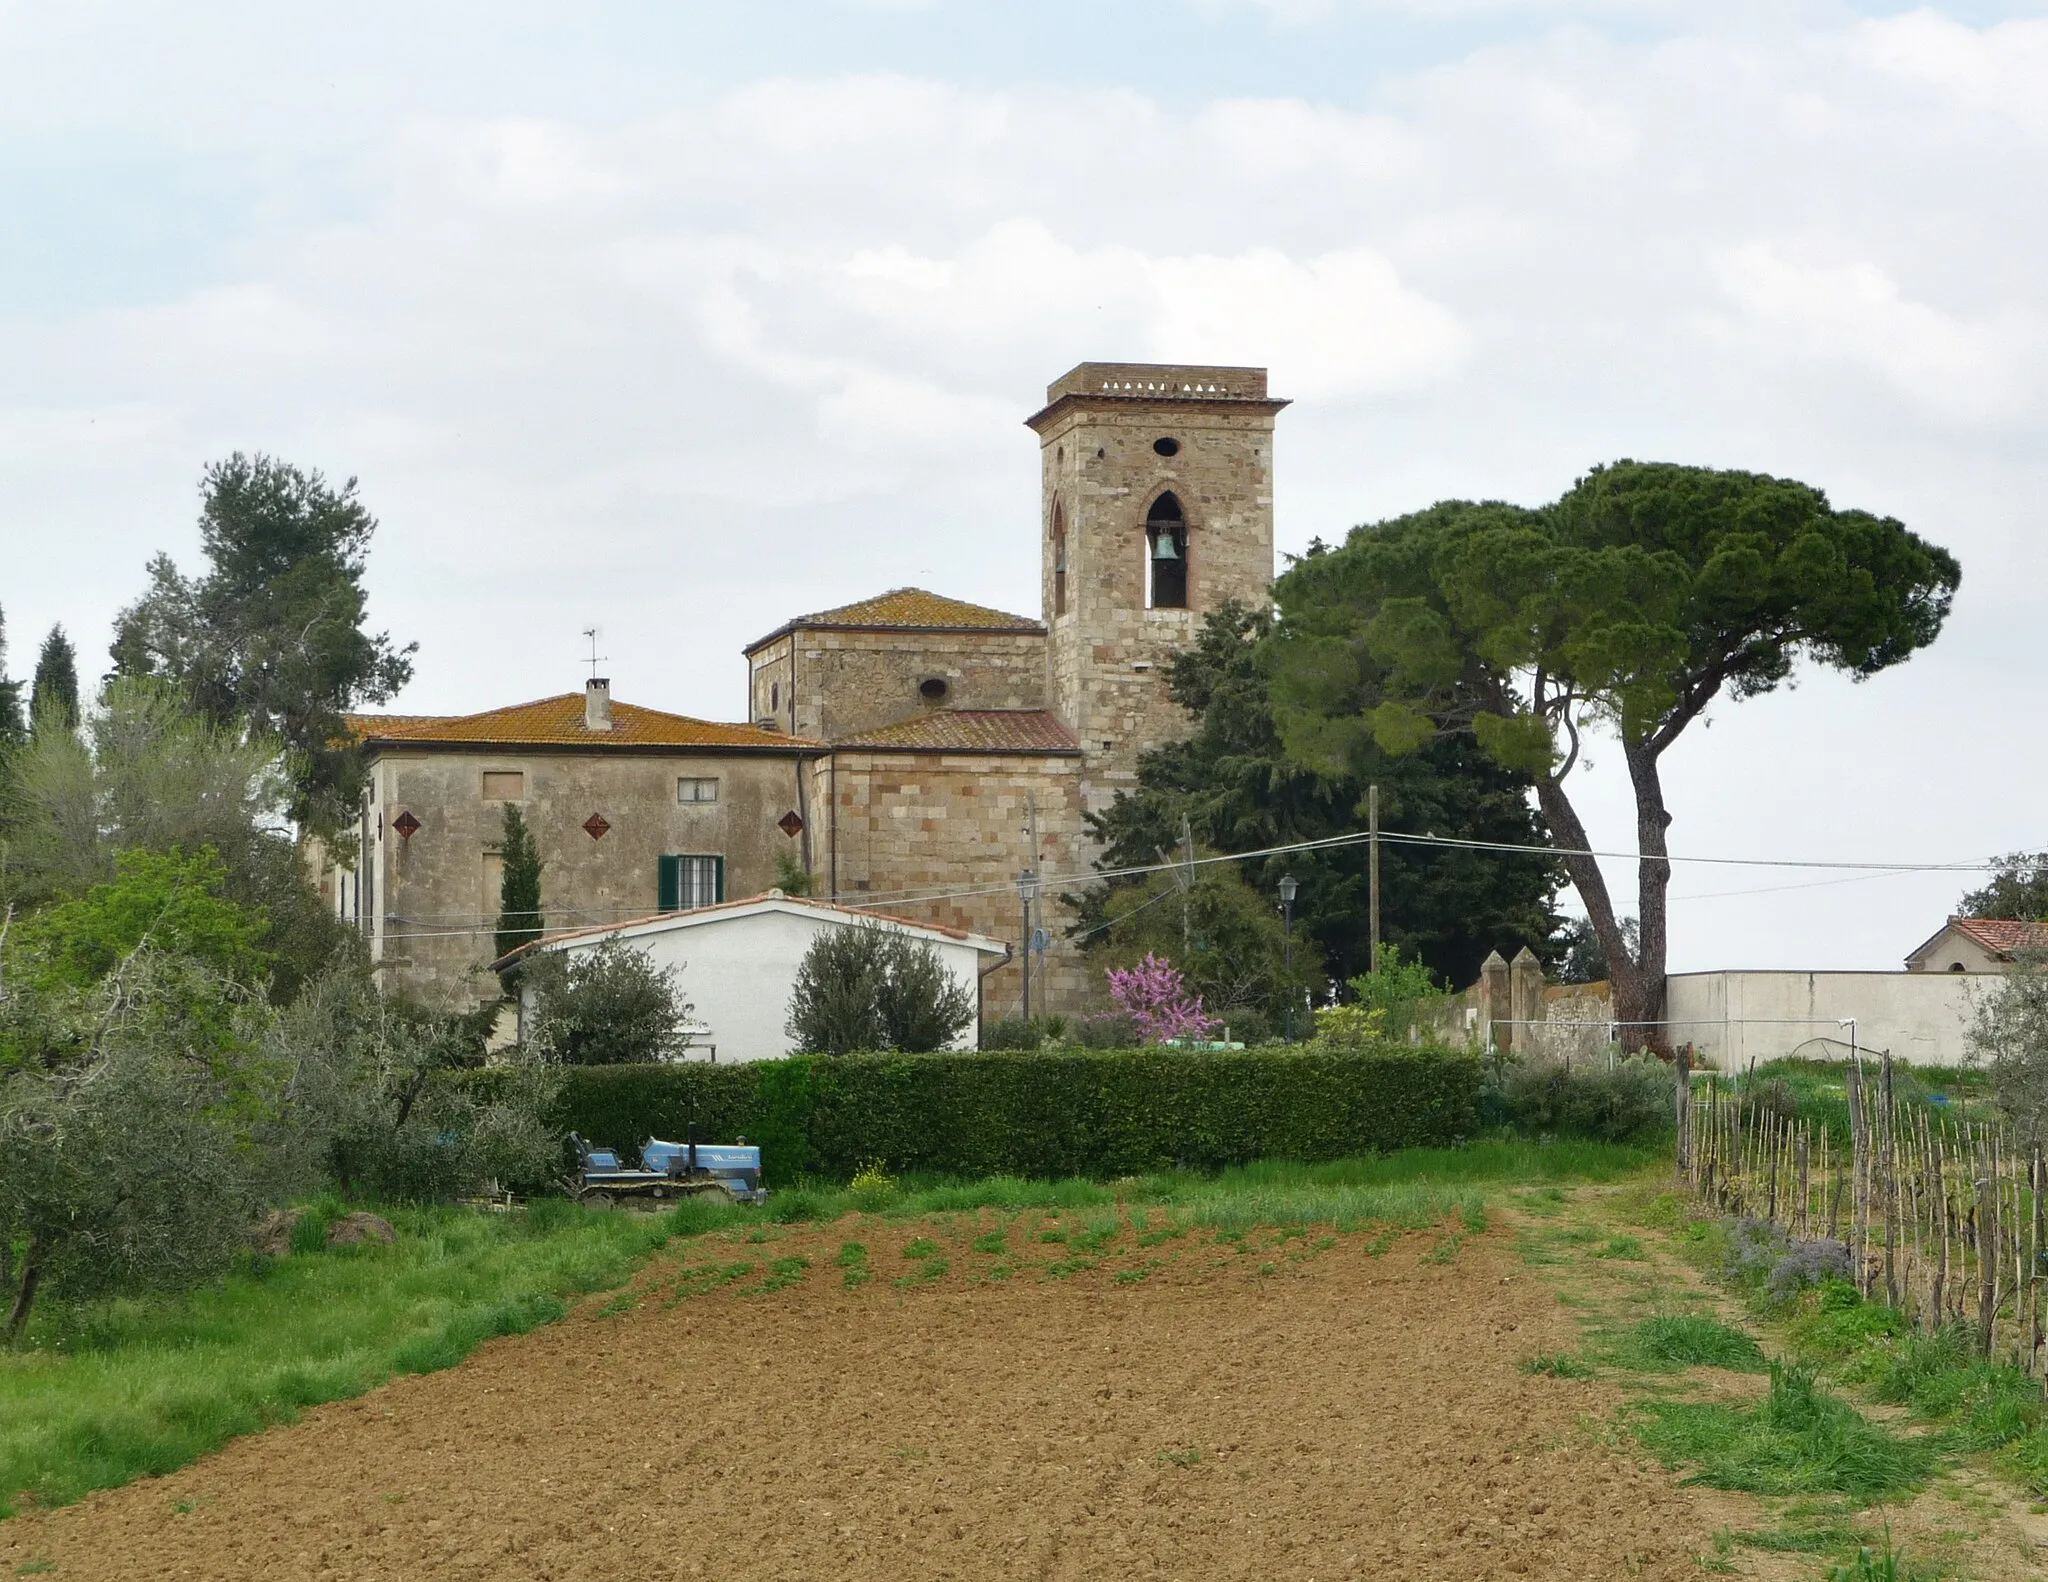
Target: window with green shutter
x=687, y=881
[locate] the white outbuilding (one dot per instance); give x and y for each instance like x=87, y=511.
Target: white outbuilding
x=736, y=964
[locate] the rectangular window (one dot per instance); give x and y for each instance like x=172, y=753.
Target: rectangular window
x=686, y=882
x=504, y=785
x=696, y=790
x=494, y=885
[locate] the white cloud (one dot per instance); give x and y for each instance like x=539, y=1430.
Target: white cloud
x=681, y=373
x=1978, y=369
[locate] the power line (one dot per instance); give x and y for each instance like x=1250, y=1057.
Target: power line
x=865, y=899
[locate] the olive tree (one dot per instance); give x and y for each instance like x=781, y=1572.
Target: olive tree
x=875, y=988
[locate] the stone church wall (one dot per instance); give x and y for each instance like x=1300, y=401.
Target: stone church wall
x=900, y=828
x=827, y=685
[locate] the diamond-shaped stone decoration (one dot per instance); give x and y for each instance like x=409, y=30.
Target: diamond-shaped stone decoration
x=406, y=825
x=791, y=823
x=595, y=826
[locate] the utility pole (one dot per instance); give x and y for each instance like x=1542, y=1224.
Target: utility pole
x=1187, y=878
x=1372, y=807
x=1027, y=889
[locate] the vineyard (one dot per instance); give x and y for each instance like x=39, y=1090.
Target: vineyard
x=1941, y=1216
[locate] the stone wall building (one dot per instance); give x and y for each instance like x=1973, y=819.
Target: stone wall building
x=908, y=752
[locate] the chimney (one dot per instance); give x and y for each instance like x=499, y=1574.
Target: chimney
x=597, y=704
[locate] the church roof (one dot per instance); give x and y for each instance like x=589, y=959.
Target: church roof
x=907, y=610
x=971, y=731
x=558, y=722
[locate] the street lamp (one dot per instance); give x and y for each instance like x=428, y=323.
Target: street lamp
x=1288, y=890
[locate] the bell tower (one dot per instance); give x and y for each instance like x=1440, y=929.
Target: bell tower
x=1157, y=507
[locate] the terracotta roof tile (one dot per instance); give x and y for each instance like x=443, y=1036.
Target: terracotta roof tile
x=558, y=721
x=972, y=731
x=909, y=609
x=2002, y=936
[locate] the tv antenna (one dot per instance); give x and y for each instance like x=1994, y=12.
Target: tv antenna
x=595, y=658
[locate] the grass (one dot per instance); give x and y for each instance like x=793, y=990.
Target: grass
x=1798, y=1440
x=1558, y=1365
x=1690, y=1342
x=103, y=1395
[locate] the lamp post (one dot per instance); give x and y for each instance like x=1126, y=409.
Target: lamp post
x=1288, y=890
x=1027, y=891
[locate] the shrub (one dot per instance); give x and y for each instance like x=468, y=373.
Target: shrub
x=874, y=988
x=1016, y=1033
x=375, y=1105
x=1048, y=1113
x=1631, y=1100
x=609, y=1006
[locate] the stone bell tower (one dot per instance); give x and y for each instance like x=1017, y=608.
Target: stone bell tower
x=1157, y=507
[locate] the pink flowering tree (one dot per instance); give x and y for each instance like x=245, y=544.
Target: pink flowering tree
x=1155, y=996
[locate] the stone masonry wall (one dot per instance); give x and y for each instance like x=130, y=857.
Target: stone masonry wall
x=849, y=681
x=433, y=902
x=1108, y=653
x=910, y=823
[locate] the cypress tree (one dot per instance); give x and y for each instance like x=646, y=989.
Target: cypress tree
x=56, y=683
x=519, y=918
x=11, y=729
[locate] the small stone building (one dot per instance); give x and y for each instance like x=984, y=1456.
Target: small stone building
x=907, y=751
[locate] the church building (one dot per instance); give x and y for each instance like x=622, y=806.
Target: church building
x=909, y=753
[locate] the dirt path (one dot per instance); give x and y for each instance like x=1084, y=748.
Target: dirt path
x=1344, y=1415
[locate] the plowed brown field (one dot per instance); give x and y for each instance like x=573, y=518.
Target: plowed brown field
x=1347, y=1415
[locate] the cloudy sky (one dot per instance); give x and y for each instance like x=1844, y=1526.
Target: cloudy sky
x=678, y=319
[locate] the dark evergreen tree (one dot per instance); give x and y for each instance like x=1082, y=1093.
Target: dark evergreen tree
x=519, y=918
x=11, y=727
x=56, y=684
x=1235, y=785
x=270, y=638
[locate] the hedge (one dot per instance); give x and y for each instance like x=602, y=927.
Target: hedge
x=1043, y=1114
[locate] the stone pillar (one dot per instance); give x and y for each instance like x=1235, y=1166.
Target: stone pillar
x=1525, y=996
x=1495, y=1004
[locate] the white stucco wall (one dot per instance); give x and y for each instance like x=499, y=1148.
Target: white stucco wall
x=737, y=967
x=1732, y=1018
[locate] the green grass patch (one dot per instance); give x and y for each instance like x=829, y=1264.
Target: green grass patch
x=782, y=1273
x=1798, y=1440
x=922, y=1247
x=1620, y=1247
x=1558, y=1365
x=103, y=1395
x=1690, y=1341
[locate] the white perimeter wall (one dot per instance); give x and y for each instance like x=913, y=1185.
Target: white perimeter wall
x=1734, y=1017
x=737, y=973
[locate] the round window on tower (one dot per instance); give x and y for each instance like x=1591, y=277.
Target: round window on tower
x=1167, y=447
x=933, y=689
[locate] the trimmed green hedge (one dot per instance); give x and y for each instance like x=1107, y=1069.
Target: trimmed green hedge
x=1057, y=1113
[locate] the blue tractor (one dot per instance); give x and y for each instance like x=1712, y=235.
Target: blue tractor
x=731, y=1171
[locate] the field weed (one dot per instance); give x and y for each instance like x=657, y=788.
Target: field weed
x=1689, y=1341
x=1621, y=1247
x=1446, y=1250
x=1798, y=1440
x=782, y=1273
x=1558, y=1365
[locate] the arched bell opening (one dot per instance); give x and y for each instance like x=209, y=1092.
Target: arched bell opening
x=1166, y=554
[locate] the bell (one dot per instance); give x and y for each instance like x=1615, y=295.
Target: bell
x=1163, y=546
